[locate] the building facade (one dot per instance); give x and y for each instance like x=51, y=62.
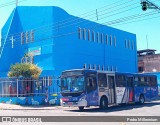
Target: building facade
x=148, y=61
x=59, y=41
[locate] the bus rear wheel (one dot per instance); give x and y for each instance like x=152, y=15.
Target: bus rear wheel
x=141, y=99
x=103, y=103
x=81, y=108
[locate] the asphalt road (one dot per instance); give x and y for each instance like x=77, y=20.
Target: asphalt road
x=148, y=109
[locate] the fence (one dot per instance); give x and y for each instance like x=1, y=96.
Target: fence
x=29, y=91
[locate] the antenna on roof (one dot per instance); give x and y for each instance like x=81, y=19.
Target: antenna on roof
x=147, y=40
x=97, y=14
x=16, y=3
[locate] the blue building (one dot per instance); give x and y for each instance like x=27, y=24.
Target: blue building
x=59, y=41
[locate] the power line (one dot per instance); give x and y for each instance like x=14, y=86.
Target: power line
x=137, y=20
x=81, y=21
x=132, y=17
x=11, y=36
x=111, y=23
x=76, y=21
x=118, y=21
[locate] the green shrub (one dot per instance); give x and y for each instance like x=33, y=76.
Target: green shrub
x=25, y=70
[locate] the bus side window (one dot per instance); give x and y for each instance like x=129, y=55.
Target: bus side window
x=153, y=81
x=142, y=82
x=121, y=81
x=135, y=81
x=91, y=82
x=150, y=81
x=146, y=81
x=139, y=81
x=129, y=81
x=111, y=82
x=102, y=80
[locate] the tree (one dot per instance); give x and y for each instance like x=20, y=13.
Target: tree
x=25, y=70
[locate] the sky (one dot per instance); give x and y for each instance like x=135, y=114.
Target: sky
x=131, y=18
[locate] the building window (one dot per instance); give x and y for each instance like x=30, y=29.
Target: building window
x=114, y=40
x=28, y=59
x=27, y=37
x=106, y=39
x=99, y=67
x=132, y=45
x=128, y=44
x=32, y=35
x=116, y=69
x=125, y=43
x=140, y=69
x=107, y=68
x=94, y=66
x=93, y=36
x=22, y=38
x=102, y=38
x=84, y=34
x=79, y=33
x=111, y=69
x=97, y=37
x=110, y=40
x=102, y=68
x=89, y=66
x=88, y=35
x=84, y=66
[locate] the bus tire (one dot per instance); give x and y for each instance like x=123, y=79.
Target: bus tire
x=103, y=103
x=141, y=99
x=81, y=108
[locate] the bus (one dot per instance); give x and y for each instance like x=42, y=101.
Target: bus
x=84, y=88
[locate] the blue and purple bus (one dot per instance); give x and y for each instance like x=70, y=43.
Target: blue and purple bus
x=83, y=88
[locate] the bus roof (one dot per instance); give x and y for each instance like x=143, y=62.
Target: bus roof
x=110, y=72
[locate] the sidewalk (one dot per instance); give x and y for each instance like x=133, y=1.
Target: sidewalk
x=4, y=106
x=29, y=107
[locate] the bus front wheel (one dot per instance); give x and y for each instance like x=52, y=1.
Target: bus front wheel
x=141, y=99
x=103, y=103
x=81, y=108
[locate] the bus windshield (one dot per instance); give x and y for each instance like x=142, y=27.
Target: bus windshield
x=73, y=84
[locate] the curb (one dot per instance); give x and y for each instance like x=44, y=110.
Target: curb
x=19, y=107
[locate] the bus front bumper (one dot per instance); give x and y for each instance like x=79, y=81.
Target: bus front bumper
x=74, y=104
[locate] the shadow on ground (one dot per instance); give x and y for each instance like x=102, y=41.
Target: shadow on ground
x=117, y=108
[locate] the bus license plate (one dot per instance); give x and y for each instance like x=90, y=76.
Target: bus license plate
x=70, y=103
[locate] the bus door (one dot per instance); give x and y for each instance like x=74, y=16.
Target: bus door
x=130, y=89
x=92, y=89
x=111, y=86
